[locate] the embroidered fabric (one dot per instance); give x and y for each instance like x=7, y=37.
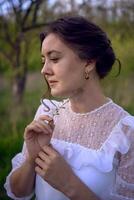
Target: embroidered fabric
x=89, y=130
x=103, y=130
x=103, y=138
x=124, y=186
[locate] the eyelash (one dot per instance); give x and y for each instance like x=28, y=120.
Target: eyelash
x=55, y=60
x=43, y=62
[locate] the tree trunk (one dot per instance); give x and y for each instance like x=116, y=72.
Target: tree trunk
x=18, y=88
x=21, y=66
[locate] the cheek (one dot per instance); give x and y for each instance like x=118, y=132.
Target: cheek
x=72, y=81
x=69, y=71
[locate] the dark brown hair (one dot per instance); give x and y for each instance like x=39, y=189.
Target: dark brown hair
x=87, y=39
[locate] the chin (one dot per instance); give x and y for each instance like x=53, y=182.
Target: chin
x=59, y=93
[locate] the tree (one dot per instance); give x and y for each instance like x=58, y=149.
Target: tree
x=17, y=18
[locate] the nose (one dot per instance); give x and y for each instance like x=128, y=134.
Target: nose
x=43, y=69
x=46, y=69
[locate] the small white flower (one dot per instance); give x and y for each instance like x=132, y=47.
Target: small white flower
x=54, y=110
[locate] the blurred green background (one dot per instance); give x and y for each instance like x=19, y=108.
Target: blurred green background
x=21, y=85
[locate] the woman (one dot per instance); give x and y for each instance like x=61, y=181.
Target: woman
x=83, y=148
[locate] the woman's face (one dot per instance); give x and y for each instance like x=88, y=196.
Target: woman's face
x=62, y=67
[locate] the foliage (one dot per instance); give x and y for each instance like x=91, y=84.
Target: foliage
x=14, y=119
x=13, y=122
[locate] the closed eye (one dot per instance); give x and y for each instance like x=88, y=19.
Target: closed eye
x=43, y=62
x=55, y=60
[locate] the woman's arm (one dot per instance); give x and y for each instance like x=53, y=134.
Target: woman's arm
x=77, y=190
x=57, y=172
x=36, y=134
x=20, y=177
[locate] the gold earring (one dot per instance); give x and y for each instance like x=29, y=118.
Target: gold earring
x=86, y=75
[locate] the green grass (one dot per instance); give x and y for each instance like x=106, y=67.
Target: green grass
x=8, y=147
x=13, y=122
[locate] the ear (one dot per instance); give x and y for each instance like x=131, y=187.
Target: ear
x=89, y=66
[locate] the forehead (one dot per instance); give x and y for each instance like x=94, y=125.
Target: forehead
x=53, y=42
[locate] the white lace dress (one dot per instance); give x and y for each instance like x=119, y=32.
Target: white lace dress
x=99, y=146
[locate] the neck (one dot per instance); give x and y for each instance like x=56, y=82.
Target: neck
x=88, y=99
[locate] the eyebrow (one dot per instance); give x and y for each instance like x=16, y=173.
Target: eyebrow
x=50, y=52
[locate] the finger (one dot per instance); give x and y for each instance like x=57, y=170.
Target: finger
x=39, y=171
x=40, y=163
x=44, y=157
x=42, y=126
x=30, y=128
x=49, y=150
x=46, y=117
x=51, y=124
x=49, y=120
x=36, y=128
x=45, y=126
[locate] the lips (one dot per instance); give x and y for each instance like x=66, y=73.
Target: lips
x=52, y=82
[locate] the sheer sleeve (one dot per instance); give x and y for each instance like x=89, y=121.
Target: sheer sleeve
x=20, y=158
x=124, y=185
x=17, y=162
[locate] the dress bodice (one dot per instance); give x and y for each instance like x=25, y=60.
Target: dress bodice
x=99, y=147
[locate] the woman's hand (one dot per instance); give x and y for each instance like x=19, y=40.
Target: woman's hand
x=37, y=134
x=53, y=168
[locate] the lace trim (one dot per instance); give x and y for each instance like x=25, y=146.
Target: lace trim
x=89, y=130
x=93, y=111
x=103, y=158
